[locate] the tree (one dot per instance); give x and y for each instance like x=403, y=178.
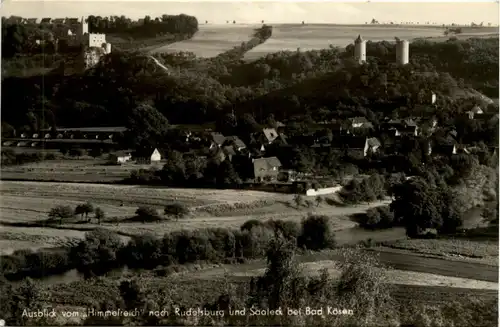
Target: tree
x=298, y=199
x=227, y=175
x=79, y=210
x=60, y=213
x=363, y=286
x=316, y=233
x=417, y=205
x=278, y=287
x=88, y=208
x=97, y=253
x=178, y=210
x=99, y=214
x=148, y=127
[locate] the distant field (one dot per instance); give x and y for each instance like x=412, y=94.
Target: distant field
x=315, y=37
x=78, y=170
x=212, y=40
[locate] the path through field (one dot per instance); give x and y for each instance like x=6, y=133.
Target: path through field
x=212, y=40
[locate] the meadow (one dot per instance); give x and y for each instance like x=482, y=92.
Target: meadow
x=211, y=40
x=75, y=170
x=30, y=202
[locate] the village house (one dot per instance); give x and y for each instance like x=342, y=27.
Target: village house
x=266, y=169
x=270, y=134
x=30, y=21
x=447, y=149
x=236, y=142
x=120, y=157
x=476, y=110
x=58, y=21
x=401, y=127
x=356, y=146
x=216, y=140
x=229, y=152
x=358, y=124
x=147, y=156
x=280, y=127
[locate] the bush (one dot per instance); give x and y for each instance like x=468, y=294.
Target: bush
x=376, y=218
x=147, y=214
x=178, y=210
x=249, y=224
x=367, y=190
x=316, y=234
x=290, y=230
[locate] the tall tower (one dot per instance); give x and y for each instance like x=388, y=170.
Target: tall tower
x=82, y=30
x=360, y=49
x=402, y=52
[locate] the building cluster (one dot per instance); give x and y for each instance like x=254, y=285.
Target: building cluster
x=356, y=137
x=402, y=50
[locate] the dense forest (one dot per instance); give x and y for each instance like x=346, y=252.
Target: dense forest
x=313, y=86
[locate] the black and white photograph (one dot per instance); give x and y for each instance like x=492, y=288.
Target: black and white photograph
x=249, y=163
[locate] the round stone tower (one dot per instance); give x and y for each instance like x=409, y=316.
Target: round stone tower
x=360, y=49
x=402, y=52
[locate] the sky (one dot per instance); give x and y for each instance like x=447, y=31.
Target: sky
x=251, y=12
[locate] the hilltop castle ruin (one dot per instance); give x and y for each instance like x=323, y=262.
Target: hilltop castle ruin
x=402, y=51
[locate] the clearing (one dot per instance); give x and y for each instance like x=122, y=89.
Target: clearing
x=211, y=40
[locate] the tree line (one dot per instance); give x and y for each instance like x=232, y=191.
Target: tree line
x=102, y=250
x=21, y=39
x=315, y=85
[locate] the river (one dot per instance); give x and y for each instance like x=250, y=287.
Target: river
x=349, y=236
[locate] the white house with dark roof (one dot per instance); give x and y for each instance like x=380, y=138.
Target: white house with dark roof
x=120, y=157
x=266, y=169
x=270, y=134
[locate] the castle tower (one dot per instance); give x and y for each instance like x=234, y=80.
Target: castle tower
x=83, y=30
x=402, y=52
x=360, y=49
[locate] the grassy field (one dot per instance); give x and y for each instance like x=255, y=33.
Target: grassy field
x=25, y=202
x=315, y=37
x=211, y=40
x=77, y=170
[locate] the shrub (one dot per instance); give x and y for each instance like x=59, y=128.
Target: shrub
x=178, y=210
x=147, y=214
x=249, y=224
x=290, y=230
x=316, y=233
x=99, y=214
x=376, y=218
